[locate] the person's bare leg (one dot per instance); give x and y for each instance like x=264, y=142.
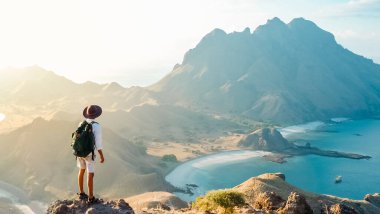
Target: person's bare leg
x=80, y=180
x=90, y=184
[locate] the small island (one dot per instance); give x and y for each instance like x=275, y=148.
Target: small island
x=269, y=139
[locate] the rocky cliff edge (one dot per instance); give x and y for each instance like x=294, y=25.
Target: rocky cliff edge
x=266, y=193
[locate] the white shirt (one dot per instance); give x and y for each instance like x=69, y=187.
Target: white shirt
x=97, y=130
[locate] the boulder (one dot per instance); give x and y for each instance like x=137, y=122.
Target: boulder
x=153, y=200
x=373, y=199
x=268, y=201
x=341, y=209
x=296, y=204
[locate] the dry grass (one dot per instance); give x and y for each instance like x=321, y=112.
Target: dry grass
x=187, y=151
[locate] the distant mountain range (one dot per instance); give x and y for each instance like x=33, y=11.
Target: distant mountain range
x=32, y=92
x=279, y=73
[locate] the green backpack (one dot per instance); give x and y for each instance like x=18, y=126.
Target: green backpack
x=83, y=140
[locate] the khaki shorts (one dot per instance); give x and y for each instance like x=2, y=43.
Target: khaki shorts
x=86, y=163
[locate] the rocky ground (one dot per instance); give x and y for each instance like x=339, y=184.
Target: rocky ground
x=77, y=206
x=271, y=193
x=267, y=193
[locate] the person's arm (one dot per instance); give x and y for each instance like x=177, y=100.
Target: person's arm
x=98, y=140
x=101, y=156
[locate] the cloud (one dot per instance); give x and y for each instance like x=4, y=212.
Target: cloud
x=354, y=34
x=352, y=9
x=369, y=8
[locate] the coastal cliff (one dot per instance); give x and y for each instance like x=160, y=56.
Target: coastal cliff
x=266, y=193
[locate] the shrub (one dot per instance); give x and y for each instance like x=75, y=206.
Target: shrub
x=169, y=158
x=197, y=152
x=162, y=164
x=221, y=201
x=141, y=149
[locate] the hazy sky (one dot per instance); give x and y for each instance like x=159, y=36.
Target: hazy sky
x=138, y=42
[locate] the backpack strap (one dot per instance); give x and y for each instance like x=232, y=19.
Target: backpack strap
x=93, y=152
x=81, y=126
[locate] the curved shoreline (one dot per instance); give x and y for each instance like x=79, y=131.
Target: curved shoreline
x=184, y=170
x=216, y=154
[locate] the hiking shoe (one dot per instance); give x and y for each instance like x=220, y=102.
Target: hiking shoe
x=82, y=196
x=93, y=200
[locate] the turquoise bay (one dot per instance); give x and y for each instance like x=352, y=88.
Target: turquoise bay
x=311, y=173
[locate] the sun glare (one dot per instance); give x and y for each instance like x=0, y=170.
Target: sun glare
x=2, y=117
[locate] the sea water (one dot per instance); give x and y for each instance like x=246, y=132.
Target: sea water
x=311, y=173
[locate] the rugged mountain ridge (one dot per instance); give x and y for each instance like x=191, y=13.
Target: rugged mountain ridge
x=280, y=73
x=286, y=73
x=32, y=92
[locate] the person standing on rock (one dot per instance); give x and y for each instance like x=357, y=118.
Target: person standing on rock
x=86, y=139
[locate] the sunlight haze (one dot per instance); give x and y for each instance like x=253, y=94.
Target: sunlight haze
x=139, y=42
x=172, y=106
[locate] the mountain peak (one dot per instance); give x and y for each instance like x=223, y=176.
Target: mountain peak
x=214, y=34
x=302, y=21
x=308, y=30
x=271, y=27
x=113, y=86
x=247, y=30
x=275, y=21
x=213, y=39
x=303, y=24
x=217, y=32
x=33, y=70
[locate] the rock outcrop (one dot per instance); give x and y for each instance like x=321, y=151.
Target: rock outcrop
x=256, y=188
x=296, y=204
x=269, y=139
x=80, y=206
x=373, y=199
x=341, y=209
x=156, y=200
x=268, y=201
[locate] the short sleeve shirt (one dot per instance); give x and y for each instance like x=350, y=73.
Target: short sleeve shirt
x=97, y=130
